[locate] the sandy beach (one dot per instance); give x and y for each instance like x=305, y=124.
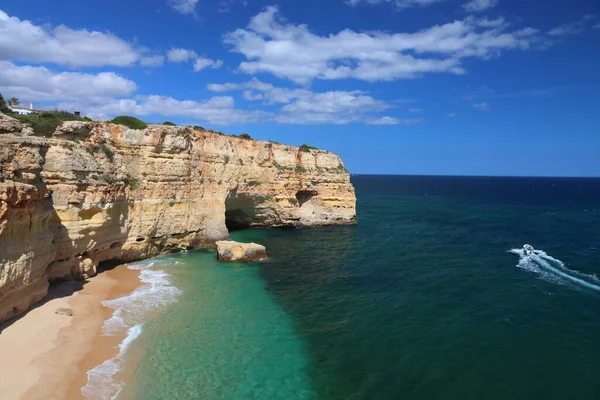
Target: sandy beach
x=46, y=353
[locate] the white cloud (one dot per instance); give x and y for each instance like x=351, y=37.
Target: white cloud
x=294, y=52
x=267, y=92
x=184, y=55
x=305, y=100
x=202, y=63
x=479, y=5
x=227, y=5
x=303, y=106
x=181, y=55
x=107, y=94
x=393, y=121
x=216, y=110
x=335, y=102
x=572, y=28
x=494, y=23
x=451, y=115
x=415, y=110
x=597, y=26
x=482, y=106
x=328, y=108
x=401, y=4
x=30, y=83
x=21, y=40
x=225, y=87
x=183, y=6
x=252, y=84
x=152, y=61
x=316, y=119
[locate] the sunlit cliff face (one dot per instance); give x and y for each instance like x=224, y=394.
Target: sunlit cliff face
x=97, y=191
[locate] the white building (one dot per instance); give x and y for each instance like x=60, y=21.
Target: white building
x=23, y=110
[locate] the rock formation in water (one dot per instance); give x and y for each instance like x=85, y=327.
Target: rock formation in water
x=96, y=191
x=228, y=250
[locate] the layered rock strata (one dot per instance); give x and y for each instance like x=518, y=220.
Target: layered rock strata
x=96, y=191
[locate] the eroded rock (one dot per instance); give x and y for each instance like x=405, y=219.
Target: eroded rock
x=228, y=250
x=112, y=193
x=74, y=128
x=9, y=124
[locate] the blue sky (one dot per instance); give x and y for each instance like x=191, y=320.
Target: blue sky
x=457, y=87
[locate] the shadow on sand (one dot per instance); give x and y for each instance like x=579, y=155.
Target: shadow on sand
x=59, y=289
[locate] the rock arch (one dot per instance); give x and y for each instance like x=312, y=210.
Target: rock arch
x=240, y=211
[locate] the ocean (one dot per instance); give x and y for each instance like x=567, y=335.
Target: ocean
x=428, y=297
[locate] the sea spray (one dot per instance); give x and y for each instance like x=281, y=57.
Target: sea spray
x=552, y=268
x=131, y=311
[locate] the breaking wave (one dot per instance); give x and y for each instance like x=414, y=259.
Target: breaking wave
x=131, y=312
x=101, y=383
x=555, y=270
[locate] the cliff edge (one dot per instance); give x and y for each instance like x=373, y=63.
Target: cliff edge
x=96, y=191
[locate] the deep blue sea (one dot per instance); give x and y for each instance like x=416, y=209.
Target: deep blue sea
x=427, y=297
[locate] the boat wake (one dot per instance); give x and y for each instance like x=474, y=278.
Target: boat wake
x=553, y=270
x=131, y=312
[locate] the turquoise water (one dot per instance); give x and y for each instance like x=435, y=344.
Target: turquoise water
x=226, y=338
x=424, y=299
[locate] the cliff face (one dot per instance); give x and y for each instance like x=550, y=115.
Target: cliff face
x=96, y=191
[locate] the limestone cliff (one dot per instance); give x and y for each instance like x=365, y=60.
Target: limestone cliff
x=96, y=191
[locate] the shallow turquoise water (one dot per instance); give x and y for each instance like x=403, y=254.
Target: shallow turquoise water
x=421, y=300
x=226, y=338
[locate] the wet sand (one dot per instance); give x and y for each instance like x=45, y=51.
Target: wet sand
x=45, y=355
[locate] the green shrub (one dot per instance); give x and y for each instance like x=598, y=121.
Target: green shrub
x=45, y=123
x=168, y=123
x=341, y=168
x=108, y=152
x=26, y=119
x=245, y=136
x=198, y=127
x=306, y=148
x=3, y=106
x=134, y=183
x=59, y=116
x=130, y=122
x=45, y=128
x=299, y=169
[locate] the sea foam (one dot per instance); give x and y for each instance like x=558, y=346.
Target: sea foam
x=131, y=312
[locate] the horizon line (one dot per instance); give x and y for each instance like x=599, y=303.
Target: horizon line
x=480, y=176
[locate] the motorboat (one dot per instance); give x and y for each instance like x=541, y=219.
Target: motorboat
x=528, y=249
